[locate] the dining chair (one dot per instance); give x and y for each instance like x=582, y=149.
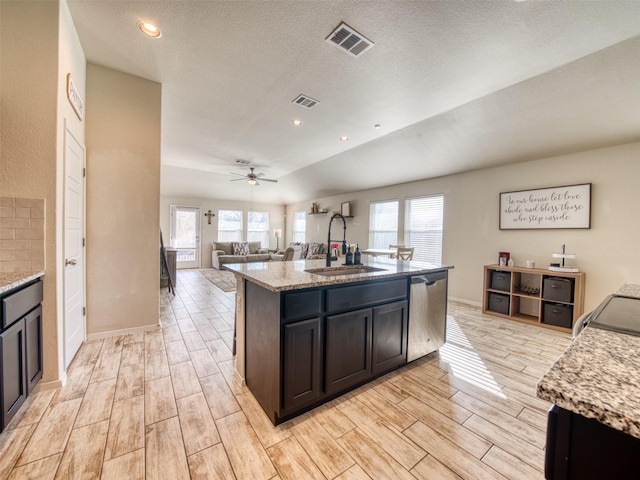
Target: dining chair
x=394, y=246
x=405, y=253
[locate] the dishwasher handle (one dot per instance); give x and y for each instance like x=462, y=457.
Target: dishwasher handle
x=425, y=280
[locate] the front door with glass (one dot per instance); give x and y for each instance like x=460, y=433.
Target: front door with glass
x=185, y=235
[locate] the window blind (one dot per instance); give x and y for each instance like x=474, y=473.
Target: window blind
x=299, y=226
x=229, y=225
x=258, y=228
x=383, y=224
x=423, y=227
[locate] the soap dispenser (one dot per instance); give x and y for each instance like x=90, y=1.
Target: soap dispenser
x=357, y=257
x=349, y=259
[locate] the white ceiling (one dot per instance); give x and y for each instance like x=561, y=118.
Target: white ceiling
x=454, y=85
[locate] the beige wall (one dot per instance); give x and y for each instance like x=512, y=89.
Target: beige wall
x=30, y=85
x=123, y=198
x=209, y=233
x=607, y=252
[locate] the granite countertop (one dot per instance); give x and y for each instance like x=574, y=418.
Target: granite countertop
x=598, y=376
x=282, y=276
x=11, y=280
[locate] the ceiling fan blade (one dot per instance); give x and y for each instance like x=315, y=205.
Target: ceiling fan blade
x=268, y=180
x=236, y=179
x=260, y=174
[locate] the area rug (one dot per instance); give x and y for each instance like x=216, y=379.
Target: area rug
x=223, y=279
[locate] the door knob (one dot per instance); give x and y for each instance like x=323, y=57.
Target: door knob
x=69, y=262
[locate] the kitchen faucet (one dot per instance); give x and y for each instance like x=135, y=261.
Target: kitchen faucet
x=344, y=238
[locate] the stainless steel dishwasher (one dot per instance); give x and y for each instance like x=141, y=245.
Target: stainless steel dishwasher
x=427, y=314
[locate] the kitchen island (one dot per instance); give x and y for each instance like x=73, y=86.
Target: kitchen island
x=594, y=425
x=306, y=333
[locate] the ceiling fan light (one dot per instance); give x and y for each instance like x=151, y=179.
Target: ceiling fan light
x=252, y=181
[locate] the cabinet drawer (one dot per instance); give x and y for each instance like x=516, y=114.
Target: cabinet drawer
x=14, y=306
x=341, y=298
x=299, y=305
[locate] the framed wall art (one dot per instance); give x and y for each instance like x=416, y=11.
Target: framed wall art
x=567, y=206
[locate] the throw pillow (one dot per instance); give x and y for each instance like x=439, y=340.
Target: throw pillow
x=305, y=249
x=314, y=249
x=240, y=248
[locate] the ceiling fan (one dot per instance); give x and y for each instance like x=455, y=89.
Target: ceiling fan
x=252, y=177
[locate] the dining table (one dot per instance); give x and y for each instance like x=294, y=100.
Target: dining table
x=382, y=252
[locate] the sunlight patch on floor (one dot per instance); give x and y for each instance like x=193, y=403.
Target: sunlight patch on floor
x=464, y=362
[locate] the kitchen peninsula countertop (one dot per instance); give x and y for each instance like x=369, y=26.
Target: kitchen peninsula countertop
x=11, y=280
x=283, y=276
x=598, y=376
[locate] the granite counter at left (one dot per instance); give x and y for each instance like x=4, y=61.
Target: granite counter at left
x=11, y=280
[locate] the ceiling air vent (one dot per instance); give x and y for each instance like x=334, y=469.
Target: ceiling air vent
x=347, y=39
x=304, y=101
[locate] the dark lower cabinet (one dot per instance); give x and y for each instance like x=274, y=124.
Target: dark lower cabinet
x=348, y=340
x=13, y=381
x=365, y=343
x=33, y=347
x=20, y=347
x=301, y=363
x=305, y=347
x=582, y=448
x=389, y=339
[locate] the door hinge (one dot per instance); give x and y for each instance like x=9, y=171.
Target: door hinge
x=84, y=311
x=84, y=242
x=84, y=171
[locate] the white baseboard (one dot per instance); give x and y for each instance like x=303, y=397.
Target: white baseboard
x=124, y=331
x=465, y=301
x=42, y=386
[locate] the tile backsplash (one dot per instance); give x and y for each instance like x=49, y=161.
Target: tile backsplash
x=21, y=234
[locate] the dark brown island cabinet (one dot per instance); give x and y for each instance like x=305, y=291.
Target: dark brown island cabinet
x=20, y=347
x=581, y=448
x=305, y=347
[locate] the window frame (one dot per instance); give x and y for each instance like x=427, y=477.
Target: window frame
x=221, y=230
x=299, y=235
x=382, y=238
x=258, y=235
x=427, y=241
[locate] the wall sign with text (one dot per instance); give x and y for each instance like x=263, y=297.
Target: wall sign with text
x=556, y=207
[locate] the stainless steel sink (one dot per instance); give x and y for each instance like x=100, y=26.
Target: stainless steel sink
x=344, y=270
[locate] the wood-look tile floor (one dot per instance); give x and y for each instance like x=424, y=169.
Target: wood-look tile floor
x=165, y=405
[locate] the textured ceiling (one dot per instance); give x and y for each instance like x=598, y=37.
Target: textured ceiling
x=454, y=85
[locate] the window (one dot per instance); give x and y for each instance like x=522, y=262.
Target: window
x=258, y=228
x=383, y=224
x=229, y=225
x=299, y=226
x=423, y=227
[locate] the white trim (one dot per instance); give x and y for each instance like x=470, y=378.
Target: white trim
x=465, y=301
x=123, y=331
x=42, y=386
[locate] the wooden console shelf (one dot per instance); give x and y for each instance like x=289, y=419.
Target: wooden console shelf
x=533, y=295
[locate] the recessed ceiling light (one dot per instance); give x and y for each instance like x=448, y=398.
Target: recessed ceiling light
x=344, y=138
x=377, y=126
x=296, y=123
x=149, y=29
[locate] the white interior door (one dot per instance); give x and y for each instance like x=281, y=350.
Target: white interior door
x=185, y=235
x=74, y=278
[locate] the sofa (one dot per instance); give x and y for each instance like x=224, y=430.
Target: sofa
x=239, y=252
x=246, y=252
